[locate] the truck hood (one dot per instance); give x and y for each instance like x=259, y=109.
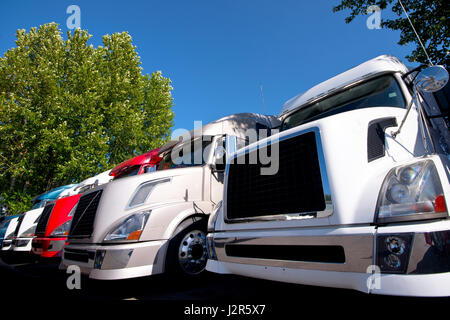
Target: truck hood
x=173, y=186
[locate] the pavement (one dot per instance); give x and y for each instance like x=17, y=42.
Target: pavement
x=45, y=283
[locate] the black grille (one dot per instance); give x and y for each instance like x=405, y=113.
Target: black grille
x=295, y=188
x=328, y=254
x=375, y=137
x=19, y=223
x=76, y=255
x=84, y=216
x=43, y=220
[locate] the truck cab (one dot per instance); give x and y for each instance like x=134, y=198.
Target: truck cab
x=360, y=197
x=148, y=224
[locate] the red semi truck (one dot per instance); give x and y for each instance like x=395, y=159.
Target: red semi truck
x=54, y=224
x=53, y=227
x=144, y=163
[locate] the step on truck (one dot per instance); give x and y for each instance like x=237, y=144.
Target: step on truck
x=361, y=194
x=152, y=223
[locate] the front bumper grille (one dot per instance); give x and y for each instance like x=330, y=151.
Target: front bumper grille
x=84, y=217
x=78, y=255
x=43, y=220
x=296, y=187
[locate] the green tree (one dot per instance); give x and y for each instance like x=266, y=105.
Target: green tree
x=69, y=111
x=429, y=17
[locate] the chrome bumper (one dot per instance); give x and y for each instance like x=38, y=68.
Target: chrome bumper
x=121, y=261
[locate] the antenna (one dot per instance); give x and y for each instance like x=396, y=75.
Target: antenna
x=262, y=96
x=414, y=29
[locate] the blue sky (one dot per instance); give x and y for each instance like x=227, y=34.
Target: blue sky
x=217, y=53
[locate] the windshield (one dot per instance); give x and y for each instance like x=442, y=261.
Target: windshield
x=382, y=91
x=39, y=204
x=128, y=172
x=150, y=168
x=190, y=154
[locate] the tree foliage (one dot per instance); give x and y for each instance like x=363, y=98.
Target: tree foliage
x=429, y=17
x=69, y=111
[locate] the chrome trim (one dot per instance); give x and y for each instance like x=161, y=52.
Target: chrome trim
x=358, y=251
x=329, y=207
x=155, y=182
x=115, y=259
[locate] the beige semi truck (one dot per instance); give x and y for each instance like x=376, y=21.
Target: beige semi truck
x=156, y=222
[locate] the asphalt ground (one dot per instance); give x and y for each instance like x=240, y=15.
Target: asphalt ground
x=44, y=286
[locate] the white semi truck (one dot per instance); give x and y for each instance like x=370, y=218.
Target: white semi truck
x=361, y=194
x=155, y=222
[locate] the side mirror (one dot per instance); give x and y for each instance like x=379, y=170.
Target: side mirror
x=432, y=79
x=2, y=212
x=220, y=167
x=227, y=147
x=220, y=159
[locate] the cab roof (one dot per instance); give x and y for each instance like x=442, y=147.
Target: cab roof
x=368, y=69
x=150, y=157
x=52, y=194
x=235, y=124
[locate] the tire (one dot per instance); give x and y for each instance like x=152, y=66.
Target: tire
x=187, y=253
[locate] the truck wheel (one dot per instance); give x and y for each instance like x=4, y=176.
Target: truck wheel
x=187, y=250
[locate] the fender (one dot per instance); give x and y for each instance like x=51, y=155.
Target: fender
x=185, y=214
x=164, y=220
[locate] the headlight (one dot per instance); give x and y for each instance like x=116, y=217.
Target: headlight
x=213, y=217
x=29, y=233
x=10, y=236
x=62, y=230
x=130, y=229
x=412, y=192
x=143, y=191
